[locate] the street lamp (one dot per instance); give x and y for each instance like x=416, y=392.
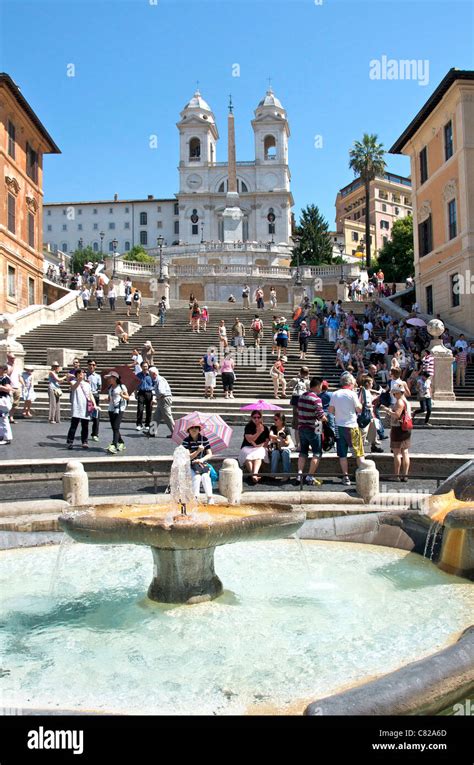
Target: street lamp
x=101, y=242
x=341, y=250
x=114, y=246
x=159, y=242
x=298, y=281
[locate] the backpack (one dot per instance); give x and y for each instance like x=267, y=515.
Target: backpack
x=257, y=325
x=298, y=390
x=136, y=296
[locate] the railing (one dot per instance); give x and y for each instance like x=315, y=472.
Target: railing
x=195, y=249
x=247, y=163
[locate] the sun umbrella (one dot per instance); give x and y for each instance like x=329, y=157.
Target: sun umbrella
x=319, y=301
x=259, y=406
x=416, y=322
x=127, y=376
x=213, y=428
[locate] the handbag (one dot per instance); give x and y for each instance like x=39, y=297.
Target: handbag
x=57, y=392
x=200, y=467
x=406, y=422
x=364, y=418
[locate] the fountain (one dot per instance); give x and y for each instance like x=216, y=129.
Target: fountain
x=183, y=545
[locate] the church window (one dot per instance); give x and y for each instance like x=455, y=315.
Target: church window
x=143, y=219
x=176, y=208
x=271, y=217
x=143, y=237
x=243, y=187
x=269, y=145
x=195, y=149
x=222, y=187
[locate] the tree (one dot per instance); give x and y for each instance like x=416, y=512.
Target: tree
x=138, y=254
x=366, y=160
x=80, y=257
x=396, y=257
x=314, y=242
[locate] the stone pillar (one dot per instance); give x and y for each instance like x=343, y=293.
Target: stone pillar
x=297, y=296
x=9, y=343
x=166, y=293
x=75, y=484
x=443, y=366
x=367, y=480
x=230, y=481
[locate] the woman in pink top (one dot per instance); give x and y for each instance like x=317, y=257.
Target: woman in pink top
x=228, y=375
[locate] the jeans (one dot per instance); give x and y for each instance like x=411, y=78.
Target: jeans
x=112, y=304
x=95, y=420
x=115, y=421
x=162, y=319
x=144, y=401
x=72, y=430
x=426, y=406
x=284, y=453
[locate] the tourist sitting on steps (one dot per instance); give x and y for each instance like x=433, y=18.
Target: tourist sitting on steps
x=254, y=445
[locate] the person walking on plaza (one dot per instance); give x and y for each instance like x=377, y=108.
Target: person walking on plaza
x=257, y=330
x=238, y=334
x=400, y=432
x=423, y=386
x=137, y=301
x=228, y=375
x=461, y=364
x=273, y=298
x=82, y=405
x=128, y=287
x=282, y=336
x=280, y=445
x=209, y=365
x=99, y=296
x=164, y=402
x=259, y=298
x=245, y=297
x=13, y=373
x=310, y=419
x=195, y=317
x=128, y=301
x=199, y=452
x=303, y=337
x=345, y=406
x=112, y=296
x=118, y=397
x=299, y=385
x=162, y=310
x=147, y=353
x=28, y=393
x=6, y=395
x=144, y=397
x=204, y=317
x=55, y=393
x=95, y=381
x=222, y=331
x=86, y=296
x=192, y=300
x=277, y=374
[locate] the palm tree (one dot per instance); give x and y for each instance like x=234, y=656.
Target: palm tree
x=366, y=160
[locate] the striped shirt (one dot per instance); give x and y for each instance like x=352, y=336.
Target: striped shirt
x=310, y=409
x=428, y=363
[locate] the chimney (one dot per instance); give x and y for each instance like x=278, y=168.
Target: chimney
x=150, y=196
x=115, y=197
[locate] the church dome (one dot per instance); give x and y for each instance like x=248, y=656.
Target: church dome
x=197, y=103
x=270, y=100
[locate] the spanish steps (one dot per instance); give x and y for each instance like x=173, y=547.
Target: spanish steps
x=178, y=350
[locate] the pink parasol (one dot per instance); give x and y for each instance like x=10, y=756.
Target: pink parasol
x=416, y=322
x=259, y=406
x=213, y=427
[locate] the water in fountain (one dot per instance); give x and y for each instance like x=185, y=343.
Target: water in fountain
x=181, y=484
x=432, y=536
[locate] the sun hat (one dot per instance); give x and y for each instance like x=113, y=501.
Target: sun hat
x=112, y=374
x=397, y=387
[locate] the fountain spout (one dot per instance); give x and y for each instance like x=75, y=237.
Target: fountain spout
x=183, y=508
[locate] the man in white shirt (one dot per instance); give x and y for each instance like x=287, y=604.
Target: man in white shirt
x=345, y=406
x=381, y=349
x=461, y=343
x=164, y=400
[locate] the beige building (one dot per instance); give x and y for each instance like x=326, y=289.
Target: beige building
x=390, y=200
x=23, y=141
x=440, y=144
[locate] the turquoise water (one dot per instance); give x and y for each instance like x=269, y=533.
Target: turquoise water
x=289, y=627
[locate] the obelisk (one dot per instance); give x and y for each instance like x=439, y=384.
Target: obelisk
x=232, y=215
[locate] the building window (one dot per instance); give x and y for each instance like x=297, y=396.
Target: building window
x=407, y=200
x=384, y=208
x=423, y=165
x=31, y=291
x=355, y=236
x=384, y=224
x=452, y=222
x=143, y=219
x=48, y=212
x=50, y=228
x=11, y=282
x=127, y=210
x=143, y=237
x=455, y=291
x=448, y=140
x=425, y=237
x=176, y=208
x=11, y=139
x=429, y=299
x=64, y=247
x=111, y=247
x=79, y=226
x=95, y=247
x=176, y=227
x=111, y=210
x=243, y=187
x=269, y=147
x=126, y=224
x=11, y=213
x=111, y=226
x=194, y=229
x=158, y=208
x=31, y=163
x=31, y=229
x=64, y=226
x=396, y=198
x=79, y=212
x=159, y=224
x=195, y=149
x=95, y=226
x=94, y=211
x=397, y=211
x=64, y=212
x=127, y=246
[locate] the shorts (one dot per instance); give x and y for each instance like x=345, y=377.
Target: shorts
x=282, y=342
x=209, y=379
x=238, y=341
x=349, y=438
x=308, y=438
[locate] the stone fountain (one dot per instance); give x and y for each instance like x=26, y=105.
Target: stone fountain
x=183, y=543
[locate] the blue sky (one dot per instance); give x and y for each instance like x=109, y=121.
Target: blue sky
x=137, y=62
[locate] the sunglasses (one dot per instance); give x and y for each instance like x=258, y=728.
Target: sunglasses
x=256, y=417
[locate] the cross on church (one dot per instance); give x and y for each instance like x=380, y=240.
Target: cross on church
x=197, y=84
x=269, y=83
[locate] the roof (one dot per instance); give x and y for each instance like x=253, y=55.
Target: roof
x=452, y=76
x=108, y=202
x=270, y=99
x=5, y=79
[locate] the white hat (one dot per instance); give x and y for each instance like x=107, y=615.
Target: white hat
x=397, y=387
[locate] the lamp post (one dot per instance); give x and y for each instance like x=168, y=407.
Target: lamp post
x=298, y=281
x=114, y=246
x=159, y=242
x=101, y=242
x=341, y=250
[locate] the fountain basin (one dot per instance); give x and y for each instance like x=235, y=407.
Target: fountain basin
x=183, y=547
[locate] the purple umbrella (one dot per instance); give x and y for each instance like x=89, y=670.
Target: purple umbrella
x=259, y=405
